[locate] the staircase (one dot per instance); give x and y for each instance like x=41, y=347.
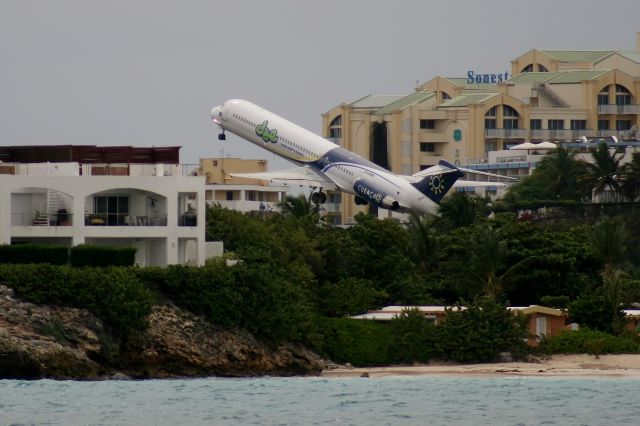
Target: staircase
x=40, y=219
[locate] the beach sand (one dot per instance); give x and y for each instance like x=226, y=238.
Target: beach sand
x=554, y=366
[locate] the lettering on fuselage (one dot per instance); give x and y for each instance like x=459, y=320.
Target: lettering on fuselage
x=373, y=196
x=262, y=130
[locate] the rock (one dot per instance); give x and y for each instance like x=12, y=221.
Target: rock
x=47, y=341
x=40, y=341
x=179, y=343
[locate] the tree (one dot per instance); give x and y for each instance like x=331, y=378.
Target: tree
x=630, y=177
x=299, y=207
x=481, y=332
x=607, y=239
x=413, y=337
x=559, y=170
x=487, y=267
x=602, y=173
x=460, y=209
x=423, y=241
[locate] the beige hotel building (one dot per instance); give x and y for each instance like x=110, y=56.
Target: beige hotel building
x=546, y=95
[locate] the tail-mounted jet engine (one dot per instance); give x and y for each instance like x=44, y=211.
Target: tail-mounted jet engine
x=369, y=191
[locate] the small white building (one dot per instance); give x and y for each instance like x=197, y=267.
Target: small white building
x=71, y=195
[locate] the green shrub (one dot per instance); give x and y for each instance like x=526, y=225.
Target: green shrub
x=481, y=332
x=255, y=296
x=359, y=342
x=413, y=338
x=90, y=255
x=587, y=341
x=34, y=253
x=113, y=294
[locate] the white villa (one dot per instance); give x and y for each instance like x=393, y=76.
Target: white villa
x=84, y=194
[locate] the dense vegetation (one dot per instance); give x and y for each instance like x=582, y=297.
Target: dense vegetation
x=297, y=279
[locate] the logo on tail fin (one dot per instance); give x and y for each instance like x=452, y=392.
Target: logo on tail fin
x=437, y=185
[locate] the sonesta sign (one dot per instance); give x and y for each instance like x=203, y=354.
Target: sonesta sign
x=472, y=77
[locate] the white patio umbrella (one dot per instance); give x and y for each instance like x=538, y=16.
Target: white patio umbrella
x=546, y=145
x=524, y=146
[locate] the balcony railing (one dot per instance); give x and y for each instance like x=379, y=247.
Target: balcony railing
x=618, y=109
x=124, y=219
x=506, y=133
x=41, y=219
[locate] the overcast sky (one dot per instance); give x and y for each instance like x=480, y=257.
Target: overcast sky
x=147, y=72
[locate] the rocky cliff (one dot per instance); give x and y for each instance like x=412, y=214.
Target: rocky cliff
x=46, y=341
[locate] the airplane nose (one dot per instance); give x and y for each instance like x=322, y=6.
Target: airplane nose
x=216, y=113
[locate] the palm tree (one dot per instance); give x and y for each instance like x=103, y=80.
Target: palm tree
x=630, y=177
x=607, y=239
x=299, y=207
x=560, y=169
x=423, y=240
x=602, y=174
x=461, y=209
x=487, y=258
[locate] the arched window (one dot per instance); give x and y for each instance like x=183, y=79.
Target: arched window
x=445, y=96
x=542, y=68
x=603, y=96
x=490, y=118
x=528, y=68
x=623, y=96
x=510, y=120
x=335, y=129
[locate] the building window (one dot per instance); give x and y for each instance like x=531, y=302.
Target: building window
x=542, y=68
x=445, y=96
x=510, y=123
x=623, y=97
x=508, y=111
x=428, y=124
x=114, y=208
x=229, y=195
x=492, y=112
x=528, y=68
x=603, y=97
x=535, y=124
x=556, y=124
x=603, y=124
x=578, y=124
x=335, y=128
x=623, y=124
x=489, y=123
x=427, y=147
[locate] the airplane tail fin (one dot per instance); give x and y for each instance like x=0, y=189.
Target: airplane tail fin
x=438, y=180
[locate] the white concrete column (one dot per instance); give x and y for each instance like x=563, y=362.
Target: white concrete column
x=5, y=213
x=78, y=218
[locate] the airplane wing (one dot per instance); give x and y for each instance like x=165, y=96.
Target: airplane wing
x=305, y=176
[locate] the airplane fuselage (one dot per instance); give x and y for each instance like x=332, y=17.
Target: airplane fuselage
x=348, y=171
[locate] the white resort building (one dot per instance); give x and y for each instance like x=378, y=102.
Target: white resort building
x=85, y=194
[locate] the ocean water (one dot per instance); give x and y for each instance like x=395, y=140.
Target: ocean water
x=324, y=401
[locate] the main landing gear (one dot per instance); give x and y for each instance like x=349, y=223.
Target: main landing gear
x=222, y=136
x=319, y=197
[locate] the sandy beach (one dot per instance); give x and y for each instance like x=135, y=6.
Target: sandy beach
x=558, y=365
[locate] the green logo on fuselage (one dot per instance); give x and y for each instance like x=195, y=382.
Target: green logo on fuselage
x=267, y=135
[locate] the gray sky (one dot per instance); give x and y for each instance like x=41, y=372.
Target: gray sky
x=147, y=72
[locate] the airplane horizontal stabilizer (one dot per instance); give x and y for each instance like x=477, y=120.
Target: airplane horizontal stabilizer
x=305, y=176
x=477, y=184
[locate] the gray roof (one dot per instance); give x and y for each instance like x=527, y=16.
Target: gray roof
x=375, y=101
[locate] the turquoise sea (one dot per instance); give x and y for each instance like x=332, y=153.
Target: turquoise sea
x=324, y=401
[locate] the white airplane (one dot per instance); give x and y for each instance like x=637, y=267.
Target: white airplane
x=324, y=165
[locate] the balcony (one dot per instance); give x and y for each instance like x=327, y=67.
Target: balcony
x=618, y=109
x=37, y=218
x=506, y=133
x=120, y=219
